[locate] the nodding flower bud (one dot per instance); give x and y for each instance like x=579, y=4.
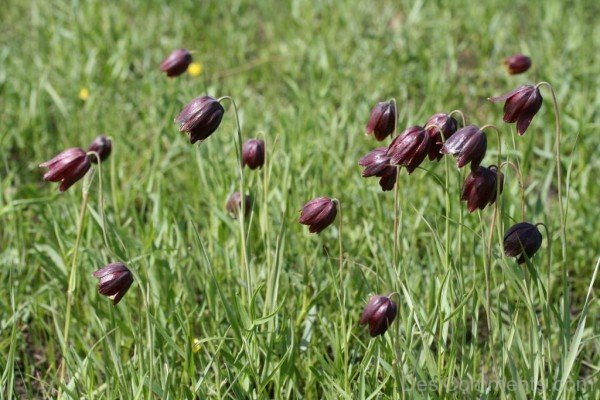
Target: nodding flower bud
x=200, y=118
x=377, y=163
x=517, y=64
x=439, y=124
x=253, y=153
x=115, y=280
x=67, y=167
x=379, y=313
x=318, y=214
x=234, y=204
x=410, y=148
x=480, y=187
x=383, y=120
x=522, y=239
x=176, y=63
x=521, y=106
x=102, y=146
x=468, y=145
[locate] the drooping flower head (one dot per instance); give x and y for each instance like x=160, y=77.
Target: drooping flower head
x=234, y=204
x=410, y=148
x=377, y=163
x=253, y=153
x=115, y=280
x=468, y=145
x=521, y=240
x=67, y=167
x=517, y=64
x=318, y=214
x=176, y=63
x=200, y=118
x=102, y=146
x=521, y=106
x=437, y=122
x=379, y=313
x=383, y=120
x=481, y=187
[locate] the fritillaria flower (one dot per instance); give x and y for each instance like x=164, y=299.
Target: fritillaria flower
x=383, y=120
x=176, y=63
x=377, y=163
x=439, y=122
x=102, y=146
x=253, y=153
x=234, y=204
x=410, y=148
x=522, y=239
x=517, y=64
x=480, y=187
x=115, y=280
x=521, y=106
x=200, y=118
x=67, y=167
x=318, y=214
x=379, y=313
x=468, y=145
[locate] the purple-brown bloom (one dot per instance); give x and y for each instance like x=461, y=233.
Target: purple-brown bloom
x=481, y=187
x=67, y=167
x=379, y=313
x=253, y=153
x=439, y=122
x=377, y=163
x=115, y=280
x=318, y=214
x=234, y=204
x=176, y=63
x=517, y=64
x=383, y=120
x=200, y=118
x=468, y=145
x=102, y=146
x=409, y=148
x=521, y=106
x=521, y=240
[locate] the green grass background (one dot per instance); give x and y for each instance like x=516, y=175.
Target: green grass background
x=304, y=75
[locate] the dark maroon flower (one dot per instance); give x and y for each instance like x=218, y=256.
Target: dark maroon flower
x=234, y=203
x=67, y=167
x=253, y=153
x=437, y=122
x=318, y=214
x=521, y=106
x=176, y=63
x=115, y=280
x=409, y=148
x=522, y=239
x=379, y=313
x=383, y=120
x=480, y=188
x=468, y=144
x=102, y=146
x=517, y=64
x=200, y=118
x=377, y=163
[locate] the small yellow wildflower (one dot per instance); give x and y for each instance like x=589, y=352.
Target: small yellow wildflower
x=195, y=69
x=84, y=93
x=196, y=344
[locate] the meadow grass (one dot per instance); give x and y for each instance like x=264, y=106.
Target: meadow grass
x=199, y=321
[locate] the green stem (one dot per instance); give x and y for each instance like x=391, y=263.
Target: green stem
x=395, y=253
x=521, y=185
x=242, y=213
x=462, y=116
x=558, y=170
x=72, y=282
